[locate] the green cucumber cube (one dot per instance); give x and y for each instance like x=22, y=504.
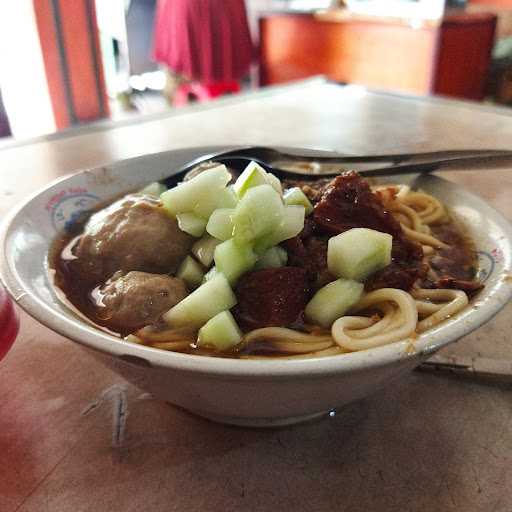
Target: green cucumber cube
x=275, y=257
x=295, y=196
x=210, y=299
x=233, y=259
x=220, y=223
x=225, y=198
x=209, y=204
x=258, y=213
x=228, y=198
x=220, y=333
x=191, y=224
x=291, y=225
x=275, y=183
x=201, y=192
x=191, y=272
x=210, y=274
x=204, y=248
x=333, y=301
x=153, y=189
x=252, y=176
x=358, y=253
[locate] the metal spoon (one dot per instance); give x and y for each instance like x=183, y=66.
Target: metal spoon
x=324, y=164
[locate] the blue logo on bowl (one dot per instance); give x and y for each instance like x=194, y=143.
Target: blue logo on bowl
x=69, y=206
x=486, y=263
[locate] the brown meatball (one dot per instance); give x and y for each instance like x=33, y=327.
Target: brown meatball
x=133, y=233
x=131, y=301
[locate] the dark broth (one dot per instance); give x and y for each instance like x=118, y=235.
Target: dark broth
x=459, y=261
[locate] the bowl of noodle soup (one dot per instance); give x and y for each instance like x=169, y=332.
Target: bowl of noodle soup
x=388, y=332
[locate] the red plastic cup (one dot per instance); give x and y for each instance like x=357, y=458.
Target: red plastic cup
x=9, y=323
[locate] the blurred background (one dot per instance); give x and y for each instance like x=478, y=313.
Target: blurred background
x=65, y=63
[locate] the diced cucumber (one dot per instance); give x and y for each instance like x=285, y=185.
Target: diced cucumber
x=154, y=189
x=358, y=253
x=252, y=176
x=208, y=205
x=204, y=303
x=220, y=332
x=333, y=301
x=210, y=274
x=275, y=257
x=220, y=223
x=291, y=225
x=233, y=259
x=296, y=196
x=204, y=248
x=191, y=272
x=275, y=182
x=203, y=189
x=258, y=213
x=191, y=224
x=225, y=198
x=228, y=198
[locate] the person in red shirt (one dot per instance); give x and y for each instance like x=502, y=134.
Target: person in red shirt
x=206, y=42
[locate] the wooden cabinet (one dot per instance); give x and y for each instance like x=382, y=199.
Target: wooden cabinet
x=450, y=57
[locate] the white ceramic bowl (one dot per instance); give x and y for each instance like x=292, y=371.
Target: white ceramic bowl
x=242, y=392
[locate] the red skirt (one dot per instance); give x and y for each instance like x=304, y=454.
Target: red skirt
x=203, y=40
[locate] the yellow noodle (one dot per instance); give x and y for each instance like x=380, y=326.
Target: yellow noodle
x=404, y=325
x=390, y=192
x=452, y=302
x=428, y=207
x=292, y=347
x=385, y=193
x=148, y=334
x=379, y=325
x=423, y=238
x=332, y=351
x=395, y=321
x=403, y=191
x=414, y=220
x=175, y=346
x=412, y=223
x=134, y=339
x=283, y=334
x=403, y=219
x=427, y=308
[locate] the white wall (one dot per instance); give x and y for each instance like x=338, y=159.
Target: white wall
x=423, y=9
x=22, y=74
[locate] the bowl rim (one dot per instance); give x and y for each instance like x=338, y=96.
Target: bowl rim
x=482, y=310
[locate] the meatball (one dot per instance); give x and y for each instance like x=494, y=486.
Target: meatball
x=133, y=233
x=136, y=299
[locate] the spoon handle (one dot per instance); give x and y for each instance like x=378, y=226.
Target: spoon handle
x=397, y=158
x=284, y=164
x=463, y=163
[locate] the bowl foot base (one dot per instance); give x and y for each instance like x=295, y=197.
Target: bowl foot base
x=261, y=422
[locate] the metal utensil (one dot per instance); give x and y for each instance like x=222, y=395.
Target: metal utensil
x=324, y=164
x=480, y=369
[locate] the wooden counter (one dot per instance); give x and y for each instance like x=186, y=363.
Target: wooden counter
x=449, y=58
